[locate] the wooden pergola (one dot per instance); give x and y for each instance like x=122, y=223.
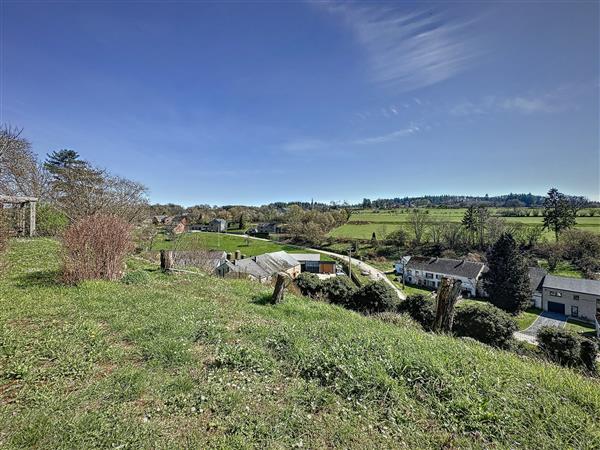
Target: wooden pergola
x=21, y=203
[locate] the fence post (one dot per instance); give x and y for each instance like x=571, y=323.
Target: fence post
x=166, y=260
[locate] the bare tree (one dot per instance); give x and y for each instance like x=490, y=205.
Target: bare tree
x=83, y=190
x=20, y=171
x=418, y=223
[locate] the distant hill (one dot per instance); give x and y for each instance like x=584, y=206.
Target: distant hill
x=462, y=201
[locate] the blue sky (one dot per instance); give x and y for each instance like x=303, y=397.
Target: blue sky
x=253, y=102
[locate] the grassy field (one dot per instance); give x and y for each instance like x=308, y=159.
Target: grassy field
x=198, y=362
x=362, y=224
x=225, y=242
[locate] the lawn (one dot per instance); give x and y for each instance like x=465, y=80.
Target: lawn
x=563, y=269
x=363, y=223
x=580, y=327
x=226, y=242
x=527, y=317
x=200, y=362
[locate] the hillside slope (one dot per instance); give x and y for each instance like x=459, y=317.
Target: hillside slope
x=190, y=361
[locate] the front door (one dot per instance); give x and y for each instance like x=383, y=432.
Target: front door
x=575, y=311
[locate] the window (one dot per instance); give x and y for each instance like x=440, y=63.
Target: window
x=555, y=294
x=416, y=272
x=428, y=275
x=437, y=277
x=576, y=297
x=574, y=311
x=409, y=271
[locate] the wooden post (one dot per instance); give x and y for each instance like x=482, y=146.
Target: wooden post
x=22, y=219
x=283, y=280
x=446, y=300
x=32, y=219
x=166, y=260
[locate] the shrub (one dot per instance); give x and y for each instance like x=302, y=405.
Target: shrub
x=338, y=290
x=136, y=277
x=50, y=221
x=420, y=308
x=309, y=284
x=589, y=353
x=95, y=247
x=486, y=323
x=561, y=346
x=374, y=297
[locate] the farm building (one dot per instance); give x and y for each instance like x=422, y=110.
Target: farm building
x=262, y=267
x=311, y=262
x=536, y=280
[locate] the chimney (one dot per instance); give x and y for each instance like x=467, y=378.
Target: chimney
x=229, y=257
x=238, y=254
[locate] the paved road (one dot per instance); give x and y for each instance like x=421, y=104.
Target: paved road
x=374, y=273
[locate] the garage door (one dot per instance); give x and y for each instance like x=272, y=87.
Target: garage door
x=556, y=307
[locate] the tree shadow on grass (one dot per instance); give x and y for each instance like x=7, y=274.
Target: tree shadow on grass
x=263, y=299
x=39, y=278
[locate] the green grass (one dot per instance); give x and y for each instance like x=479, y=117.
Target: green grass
x=198, y=362
x=563, y=269
x=527, y=317
x=226, y=242
x=580, y=327
x=363, y=223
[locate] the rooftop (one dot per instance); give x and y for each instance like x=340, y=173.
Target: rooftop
x=583, y=286
x=445, y=266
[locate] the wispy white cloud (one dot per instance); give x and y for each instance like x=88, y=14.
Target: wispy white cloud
x=300, y=146
x=394, y=135
x=555, y=101
x=409, y=50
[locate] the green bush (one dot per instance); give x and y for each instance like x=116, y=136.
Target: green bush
x=309, y=284
x=50, y=221
x=568, y=348
x=589, y=353
x=136, y=277
x=561, y=346
x=486, y=323
x=420, y=308
x=338, y=290
x=373, y=298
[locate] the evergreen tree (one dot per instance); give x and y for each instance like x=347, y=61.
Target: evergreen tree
x=62, y=159
x=470, y=222
x=559, y=212
x=507, y=281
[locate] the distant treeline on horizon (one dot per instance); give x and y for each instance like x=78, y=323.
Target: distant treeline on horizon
x=434, y=201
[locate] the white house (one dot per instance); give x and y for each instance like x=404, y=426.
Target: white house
x=428, y=272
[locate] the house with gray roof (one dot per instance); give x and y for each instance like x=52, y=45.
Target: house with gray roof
x=243, y=268
x=428, y=272
x=260, y=268
x=573, y=297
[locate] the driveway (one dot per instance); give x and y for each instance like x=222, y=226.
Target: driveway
x=545, y=319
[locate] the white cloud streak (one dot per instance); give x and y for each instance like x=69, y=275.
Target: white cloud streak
x=408, y=50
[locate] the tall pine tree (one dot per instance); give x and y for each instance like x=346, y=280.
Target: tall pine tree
x=507, y=281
